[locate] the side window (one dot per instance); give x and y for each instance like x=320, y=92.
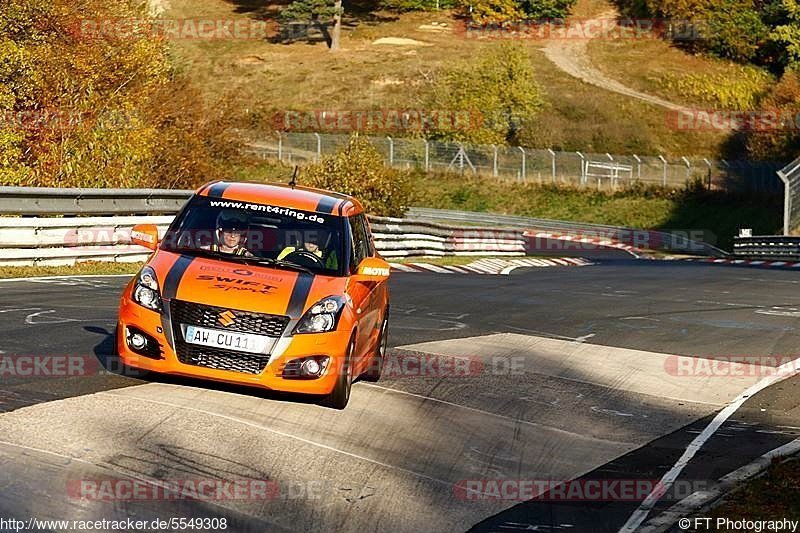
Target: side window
x=368, y=234
x=359, y=251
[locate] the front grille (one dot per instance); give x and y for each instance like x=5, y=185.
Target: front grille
x=208, y=316
x=206, y=356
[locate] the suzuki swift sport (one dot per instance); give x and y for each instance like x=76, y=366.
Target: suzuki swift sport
x=272, y=286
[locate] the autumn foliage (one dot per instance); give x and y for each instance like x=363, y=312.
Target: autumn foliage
x=83, y=109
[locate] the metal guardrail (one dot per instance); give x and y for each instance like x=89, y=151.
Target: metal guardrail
x=54, y=201
x=66, y=239
x=646, y=239
x=770, y=247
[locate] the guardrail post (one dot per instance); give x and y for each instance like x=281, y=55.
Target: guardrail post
x=708, y=164
x=638, y=167
x=494, y=161
x=319, y=147
x=688, y=168
x=583, y=168
x=427, y=155
x=552, y=164
x=280, y=146
x=522, y=174
x=391, y=151
x=664, y=177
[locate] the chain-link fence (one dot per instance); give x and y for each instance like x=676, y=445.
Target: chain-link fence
x=602, y=171
x=790, y=176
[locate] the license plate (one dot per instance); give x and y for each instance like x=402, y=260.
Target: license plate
x=227, y=340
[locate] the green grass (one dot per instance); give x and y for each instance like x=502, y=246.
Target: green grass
x=772, y=496
x=716, y=217
x=94, y=268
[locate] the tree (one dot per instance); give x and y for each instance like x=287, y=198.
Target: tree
x=320, y=13
x=498, y=86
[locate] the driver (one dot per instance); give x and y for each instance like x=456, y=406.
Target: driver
x=230, y=235
x=312, y=244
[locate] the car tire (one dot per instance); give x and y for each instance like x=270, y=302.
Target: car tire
x=375, y=369
x=340, y=395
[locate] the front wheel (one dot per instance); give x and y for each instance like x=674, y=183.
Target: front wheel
x=340, y=395
x=375, y=369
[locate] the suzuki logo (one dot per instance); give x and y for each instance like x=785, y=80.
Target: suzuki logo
x=226, y=318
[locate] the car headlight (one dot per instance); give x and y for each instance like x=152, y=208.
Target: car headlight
x=322, y=316
x=145, y=292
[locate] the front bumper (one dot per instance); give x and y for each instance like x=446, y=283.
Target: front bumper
x=333, y=345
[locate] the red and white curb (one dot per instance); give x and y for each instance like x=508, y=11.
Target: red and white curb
x=742, y=262
x=593, y=241
x=491, y=266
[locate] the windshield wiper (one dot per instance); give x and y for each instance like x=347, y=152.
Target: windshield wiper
x=243, y=258
x=276, y=262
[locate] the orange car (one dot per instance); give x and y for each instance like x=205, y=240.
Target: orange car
x=273, y=286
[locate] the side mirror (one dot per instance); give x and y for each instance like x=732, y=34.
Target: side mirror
x=145, y=235
x=373, y=269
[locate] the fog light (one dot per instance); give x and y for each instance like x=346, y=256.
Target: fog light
x=138, y=341
x=311, y=367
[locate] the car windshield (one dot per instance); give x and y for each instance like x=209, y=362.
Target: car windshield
x=246, y=231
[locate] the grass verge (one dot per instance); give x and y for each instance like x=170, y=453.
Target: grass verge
x=92, y=268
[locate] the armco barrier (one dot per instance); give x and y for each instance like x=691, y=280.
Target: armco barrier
x=673, y=242
x=770, y=247
x=67, y=240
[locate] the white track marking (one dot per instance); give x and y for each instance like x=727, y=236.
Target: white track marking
x=489, y=413
x=282, y=434
x=48, y=278
x=635, y=520
x=694, y=501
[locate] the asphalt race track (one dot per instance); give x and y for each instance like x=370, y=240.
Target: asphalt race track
x=552, y=374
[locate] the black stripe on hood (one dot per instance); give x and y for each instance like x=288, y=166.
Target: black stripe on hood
x=297, y=301
x=174, y=276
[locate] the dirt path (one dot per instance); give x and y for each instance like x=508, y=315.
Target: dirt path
x=571, y=56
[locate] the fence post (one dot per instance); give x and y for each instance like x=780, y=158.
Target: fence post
x=521, y=149
x=391, y=151
x=708, y=164
x=427, y=155
x=494, y=162
x=664, y=177
x=280, y=146
x=638, y=167
x=319, y=147
x=552, y=163
x=688, y=168
x=727, y=173
x=583, y=168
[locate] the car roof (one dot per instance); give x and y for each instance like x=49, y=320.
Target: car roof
x=284, y=195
